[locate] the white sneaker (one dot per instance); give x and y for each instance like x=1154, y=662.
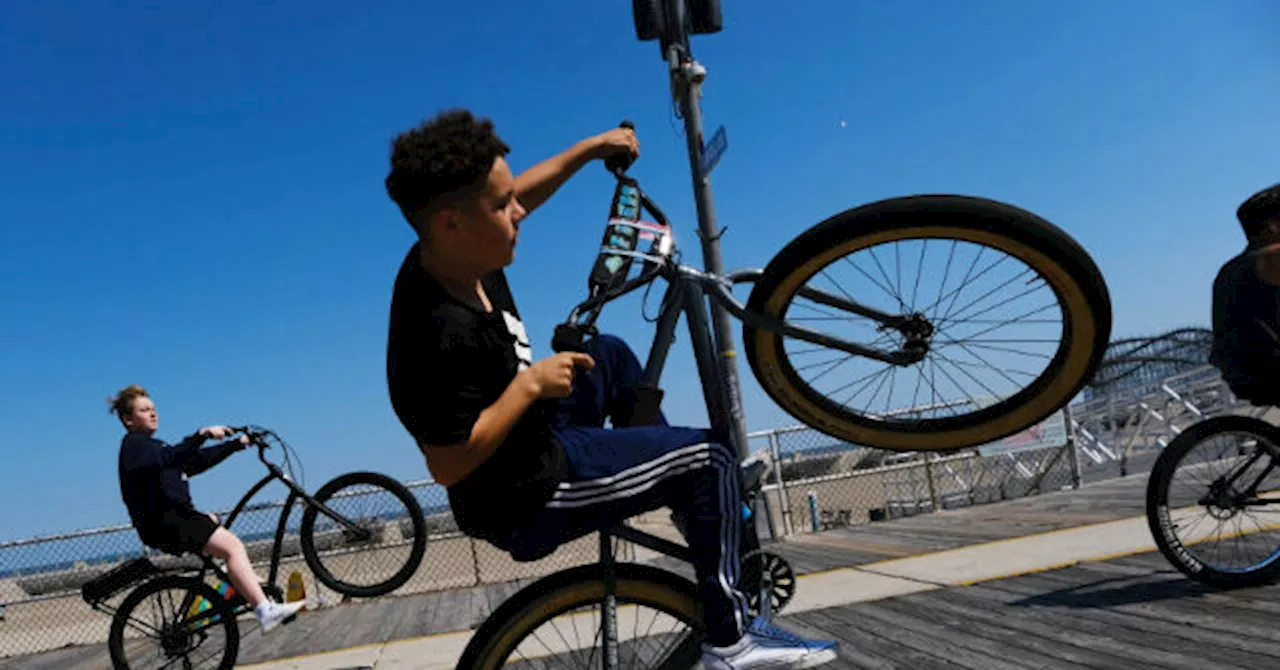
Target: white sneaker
x=271, y=614
x=767, y=646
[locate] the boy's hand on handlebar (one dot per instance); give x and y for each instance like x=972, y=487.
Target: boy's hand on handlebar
x=216, y=432
x=616, y=141
x=552, y=377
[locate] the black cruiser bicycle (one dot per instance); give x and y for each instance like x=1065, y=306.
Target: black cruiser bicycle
x=362, y=534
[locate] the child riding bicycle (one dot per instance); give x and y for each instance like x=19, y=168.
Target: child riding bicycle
x=153, y=483
x=521, y=445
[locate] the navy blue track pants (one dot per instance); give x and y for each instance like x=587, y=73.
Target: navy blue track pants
x=621, y=472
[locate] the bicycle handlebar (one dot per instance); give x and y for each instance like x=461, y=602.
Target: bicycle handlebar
x=254, y=433
x=618, y=163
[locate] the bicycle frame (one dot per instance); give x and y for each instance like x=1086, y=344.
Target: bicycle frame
x=687, y=293
x=274, y=473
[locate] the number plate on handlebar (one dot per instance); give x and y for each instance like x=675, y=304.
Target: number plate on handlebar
x=619, y=235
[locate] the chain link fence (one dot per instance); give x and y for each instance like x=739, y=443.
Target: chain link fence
x=814, y=483
x=818, y=483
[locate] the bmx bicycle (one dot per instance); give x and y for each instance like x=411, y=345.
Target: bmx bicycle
x=176, y=606
x=915, y=335
x=1225, y=488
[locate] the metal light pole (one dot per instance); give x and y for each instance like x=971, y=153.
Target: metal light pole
x=672, y=23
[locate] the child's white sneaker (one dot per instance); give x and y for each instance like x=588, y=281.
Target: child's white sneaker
x=271, y=614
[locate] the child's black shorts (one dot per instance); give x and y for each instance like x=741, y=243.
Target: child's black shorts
x=182, y=531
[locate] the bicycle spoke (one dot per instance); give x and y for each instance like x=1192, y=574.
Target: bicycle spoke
x=888, y=291
x=897, y=295
x=969, y=374
x=948, y=317
x=919, y=275
x=893, y=372
x=1006, y=350
x=946, y=274
x=993, y=367
x=871, y=378
x=838, y=362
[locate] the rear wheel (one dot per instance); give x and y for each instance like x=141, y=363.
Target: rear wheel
x=658, y=622
x=174, y=621
x=997, y=266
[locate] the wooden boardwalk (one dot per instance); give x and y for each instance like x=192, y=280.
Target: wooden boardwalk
x=1127, y=613
x=949, y=529
x=1134, y=612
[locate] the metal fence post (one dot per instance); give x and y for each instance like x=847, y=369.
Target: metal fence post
x=475, y=559
x=933, y=488
x=784, y=501
x=1073, y=452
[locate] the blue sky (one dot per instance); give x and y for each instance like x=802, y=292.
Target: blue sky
x=193, y=194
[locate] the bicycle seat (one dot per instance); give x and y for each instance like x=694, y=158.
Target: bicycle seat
x=117, y=579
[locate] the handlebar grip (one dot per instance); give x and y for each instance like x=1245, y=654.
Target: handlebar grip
x=618, y=163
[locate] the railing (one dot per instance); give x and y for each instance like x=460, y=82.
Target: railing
x=1124, y=428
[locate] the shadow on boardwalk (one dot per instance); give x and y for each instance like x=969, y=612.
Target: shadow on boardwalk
x=1134, y=612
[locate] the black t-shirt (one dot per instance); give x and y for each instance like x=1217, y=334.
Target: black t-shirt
x=446, y=363
x=1246, y=325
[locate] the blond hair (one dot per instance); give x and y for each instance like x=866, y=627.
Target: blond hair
x=122, y=402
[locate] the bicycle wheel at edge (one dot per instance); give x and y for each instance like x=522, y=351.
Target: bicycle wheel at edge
x=1159, y=519
x=231, y=629
x=1066, y=268
x=501, y=633
x=418, y=546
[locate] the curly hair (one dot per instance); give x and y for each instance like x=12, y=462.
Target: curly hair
x=122, y=402
x=444, y=157
x=1259, y=209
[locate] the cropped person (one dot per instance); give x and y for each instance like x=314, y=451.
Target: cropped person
x=1246, y=304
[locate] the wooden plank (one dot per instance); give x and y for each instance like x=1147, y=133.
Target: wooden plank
x=955, y=642
x=1040, y=595
x=1129, y=650
x=977, y=618
x=1164, y=606
x=878, y=642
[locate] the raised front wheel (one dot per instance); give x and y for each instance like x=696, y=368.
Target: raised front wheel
x=997, y=319
x=373, y=542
